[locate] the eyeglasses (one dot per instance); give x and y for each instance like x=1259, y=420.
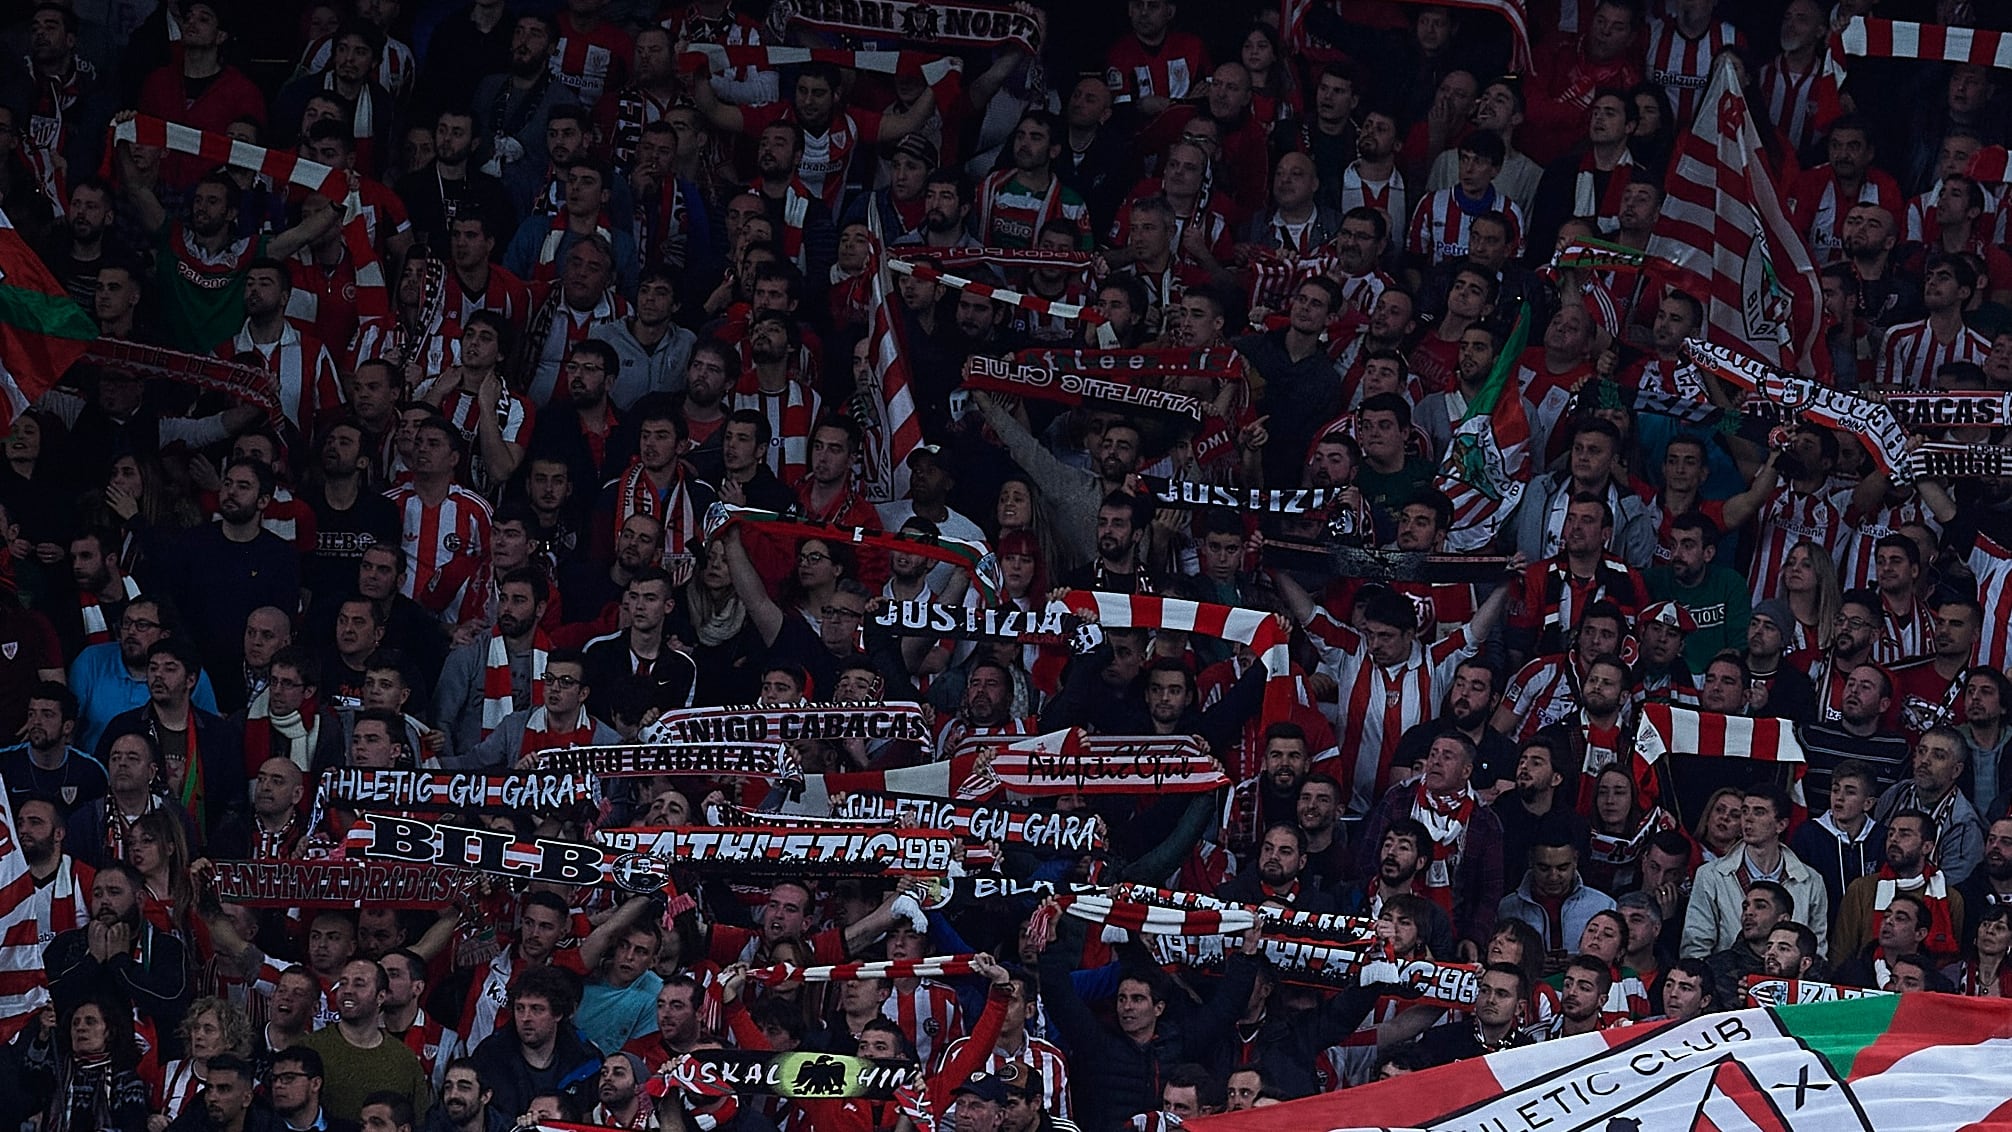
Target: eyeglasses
x=563, y=681
x=141, y=624
x=812, y=556
x=1856, y=623
x=842, y=613
x=286, y=682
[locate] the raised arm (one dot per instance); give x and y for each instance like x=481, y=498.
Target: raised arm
x=896, y=124
x=749, y=587
x=1748, y=503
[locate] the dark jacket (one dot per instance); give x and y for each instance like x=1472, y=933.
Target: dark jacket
x=576, y=1064
x=1115, y=1077
x=1247, y=888
x=1477, y=886
x=195, y=1117
x=217, y=744
x=154, y=981
x=1288, y=1044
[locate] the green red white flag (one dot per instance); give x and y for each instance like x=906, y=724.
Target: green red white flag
x=1918, y=1062
x=42, y=330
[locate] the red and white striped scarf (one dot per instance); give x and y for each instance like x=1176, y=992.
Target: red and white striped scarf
x=636, y=494
x=789, y=414
x=930, y=967
x=546, y=270
x=1871, y=37
x=498, y=699
x=539, y=734
x=1445, y=817
x=259, y=731
x=1019, y=299
x=96, y=632
x=796, y=198
x=1153, y=919
x=1604, y=205
x=1329, y=924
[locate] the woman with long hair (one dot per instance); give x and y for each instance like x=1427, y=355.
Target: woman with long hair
x=1017, y=507
x=1517, y=943
x=1612, y=862
x=1274, y=96
x=1984, y=971
x=159, y=849
x=1809, y=585
x=32, y=484
x=212, y=1027
x=1718, y=829
x=94, y=1066
x=715, y=628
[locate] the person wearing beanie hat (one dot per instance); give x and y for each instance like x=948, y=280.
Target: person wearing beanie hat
x=899, y=203
x=1776, y=688
x=623, y=1101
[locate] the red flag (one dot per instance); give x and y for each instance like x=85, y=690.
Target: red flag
x=42, y=330
x=1723, y=225
x=886, y=403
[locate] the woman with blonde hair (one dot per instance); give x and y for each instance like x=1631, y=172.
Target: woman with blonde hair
x=1809, y=585
x=212, y=1027
x=1718, y=829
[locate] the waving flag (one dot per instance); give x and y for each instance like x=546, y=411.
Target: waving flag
x=24, y=987
x=1919, y=1062
x=42, y=330
x=1724, y=228
x=1488, y=464
x=1665, y=729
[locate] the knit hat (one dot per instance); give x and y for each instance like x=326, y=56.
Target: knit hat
x=918, y=147
x=1777, y=611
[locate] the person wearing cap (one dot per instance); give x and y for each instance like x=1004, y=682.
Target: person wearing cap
x=899, y=203
x=981, y=1102
x=1661, y=632
x=620, y=1089
x=930, y=482
x=1715, y=596
x=1775, y=688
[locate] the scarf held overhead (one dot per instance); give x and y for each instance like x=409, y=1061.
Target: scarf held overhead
x=956, y=23
x=338, y=884
x=1050, y=626
x=844, y=852
x=768, y=723
x=774, y=761
x=996, y=375
x=962, y=554
x=541, y=792
x=1075, y=833
x=1071, y=762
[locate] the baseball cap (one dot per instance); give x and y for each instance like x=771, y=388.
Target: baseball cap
x=985, y=1087
x=1671, y=614
x=933, y=451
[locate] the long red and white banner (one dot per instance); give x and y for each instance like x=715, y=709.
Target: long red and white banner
x=946, y=23
x=1875, y=38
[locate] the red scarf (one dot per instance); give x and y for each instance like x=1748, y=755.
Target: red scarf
x=795, y=204
x=1934, y=892
x=96, y=632
x=636, y=494
x=1445, y=817
x=1607, y=208
x=540, y=736
x=497, y=698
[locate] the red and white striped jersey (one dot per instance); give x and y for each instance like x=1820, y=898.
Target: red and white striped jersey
x=1991, y=563
x=929, y=1015
x=828, y=155
x=1913, y=353
x=731, y=29
x=1791, y=99
x=1360, y=292
x=1855, y=563
x=591, y=62
x=505, y=294
x=432, y=1043
x=375, y=338
x=446, y=545
x=791, y=415
x=1046, y=1058
x=1788, y=518
x=1921, y=227
x=1379, y=702
x=1386, y=196
x=1173, y=72
x=322, y=300
x=1817, y=208
x=64, y=903
x=514, y=419
x=1543, y=693
x=1440, y=226
x=1682, y=65
x=1904, y=636
x=303, y=368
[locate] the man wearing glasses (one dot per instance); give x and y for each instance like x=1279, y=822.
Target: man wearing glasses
x=561, y=722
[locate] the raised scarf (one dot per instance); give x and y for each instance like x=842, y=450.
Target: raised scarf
x=1933, y=890
x=931, y=967
x=498, y=699
x=540, y=736
x=636, y=494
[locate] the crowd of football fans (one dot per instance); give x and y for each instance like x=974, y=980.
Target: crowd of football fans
x=586, y=281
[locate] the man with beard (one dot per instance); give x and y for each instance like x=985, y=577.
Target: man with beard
x=348, y=518
x=620, y=1093
x=1715, y=596
x=296, y=1079
x=946, y=214
x=1991, y=883
x=301, y=367
x=1463, y=873
x=1122, y=524
x=1329, y=859
x=1790, y=951
x=406, y=986
x=357, y=630
x=287, y=719
x=45, y=764
x=1403, y=856
x=1774, y=687
x=444, y=530
x=1765, y=906
x=830, y=491
x=1883, y=294
x=1717, y=912
x=1271, y=797
x=640, y=661
x=1913, y=852
x=1858, y=630
x=1016, y=203
x=1546, y=690
x=464, y=1101
x=359, y=1056
x=119, y=958
x=1902, y=928
x=585, y=433
x=448, y=189
x=111, y=678
x=654, y=484
x=220, y=572
x=86, y=241
x=202, y=757
x=1501, y=990
x=1861, y=731
x=62, y=897
x=1555, y=592
x=1441, y=414
x=512, y=108
x=483, y=681
x=653, y=352
x=986, y=708
x=713, y=371
x=1074, y=496
x=589, y=592
x=1930, y=687
x=1469, y=705
x=790, y=639
x=775, y=386
x=802, y=218
x=585, y=298
x=275, y=827
x=1534, y=803
x=1277, y=875
x=1299, y=377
